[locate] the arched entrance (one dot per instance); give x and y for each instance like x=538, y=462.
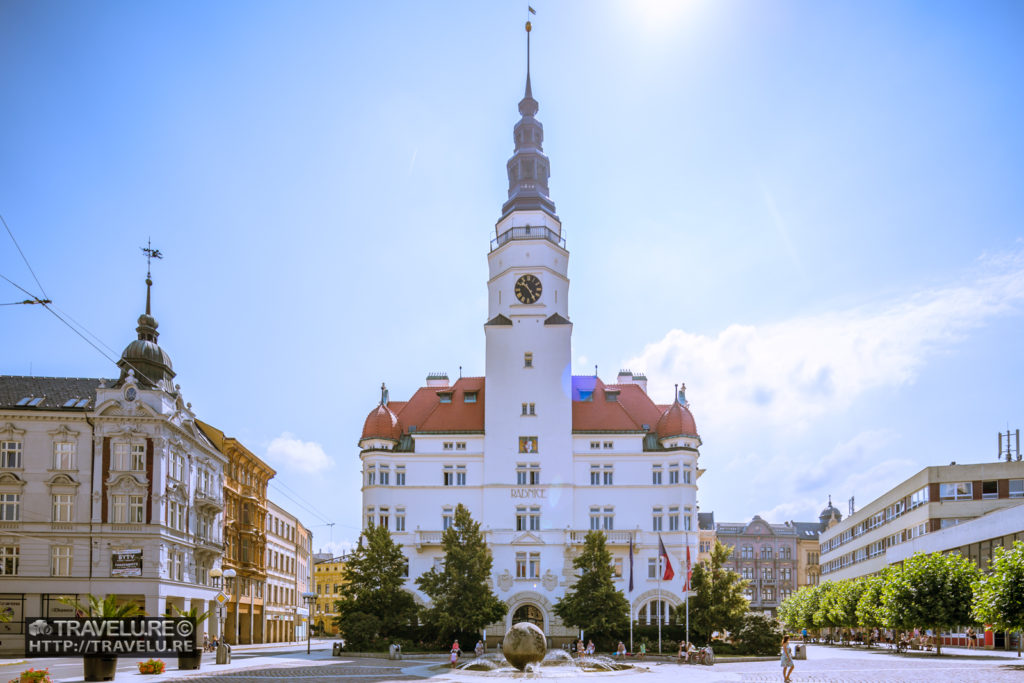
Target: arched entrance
x=529, y=613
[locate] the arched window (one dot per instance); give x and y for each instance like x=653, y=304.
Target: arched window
x=529, y=613
x=650, y=612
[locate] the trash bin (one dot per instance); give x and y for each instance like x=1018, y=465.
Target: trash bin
x=336, y=649
x=99, y=667
x=394, y=651
x=223, y=653
x=800, y=652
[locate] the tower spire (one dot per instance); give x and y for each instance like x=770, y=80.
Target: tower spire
x=529, y=168
x=151, y=254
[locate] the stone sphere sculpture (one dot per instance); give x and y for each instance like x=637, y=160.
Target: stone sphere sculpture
x=524, y=643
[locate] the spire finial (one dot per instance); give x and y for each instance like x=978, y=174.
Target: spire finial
x=383, y=394
x=151, y=254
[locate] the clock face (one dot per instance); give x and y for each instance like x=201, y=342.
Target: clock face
x=528, y=289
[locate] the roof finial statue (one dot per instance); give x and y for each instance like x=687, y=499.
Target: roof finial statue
x=383, y=394
x=151, y=254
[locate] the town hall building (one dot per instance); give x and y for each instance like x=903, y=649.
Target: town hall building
x=538, y=455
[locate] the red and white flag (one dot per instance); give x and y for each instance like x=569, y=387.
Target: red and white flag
x=668, y=563
x=689, y=571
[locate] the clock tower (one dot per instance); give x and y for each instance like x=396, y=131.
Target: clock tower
x=528, y=411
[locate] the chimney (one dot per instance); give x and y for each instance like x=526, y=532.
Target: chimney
x=640, y=380
x=624, y=377
x=437, y=379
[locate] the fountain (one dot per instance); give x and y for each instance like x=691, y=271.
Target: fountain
x=524, y=650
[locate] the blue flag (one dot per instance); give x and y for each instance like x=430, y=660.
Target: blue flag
x=631, y=565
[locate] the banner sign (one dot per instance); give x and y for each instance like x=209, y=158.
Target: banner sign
x=75, y=637
x=126, y=563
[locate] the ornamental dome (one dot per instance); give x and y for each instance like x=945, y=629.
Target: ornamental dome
x=676, y=421
x=828, y=514
x=144, y=355
x=382, y=423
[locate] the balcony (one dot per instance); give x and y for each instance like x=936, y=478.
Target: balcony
x=208, y=501
x=207, y=545
x=528, y=232
x=427, y=538
x=611, y=537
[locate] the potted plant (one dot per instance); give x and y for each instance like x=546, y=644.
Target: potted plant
x=102, y=667
x=35, y=676
x=193, y=659
x=151, y=666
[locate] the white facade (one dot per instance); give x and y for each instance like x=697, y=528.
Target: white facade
x=287, y=563
x=537, y=455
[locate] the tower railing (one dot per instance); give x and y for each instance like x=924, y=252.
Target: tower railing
x=528, y=232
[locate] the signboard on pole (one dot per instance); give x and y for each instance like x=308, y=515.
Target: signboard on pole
x=126, y=563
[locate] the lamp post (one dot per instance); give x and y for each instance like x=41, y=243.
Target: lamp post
x=309, y=598
x=222, y=651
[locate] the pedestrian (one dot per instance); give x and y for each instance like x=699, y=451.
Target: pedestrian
x=803, y=634
x=679, y=655
x=579, y=649
x=787, y=659
x=643, y=650
x=970, y=637
x=455, y=652
x=620, y=652
x=479, y=649
x=590, y=647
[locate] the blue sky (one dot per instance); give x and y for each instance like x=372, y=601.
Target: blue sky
x=810, y=213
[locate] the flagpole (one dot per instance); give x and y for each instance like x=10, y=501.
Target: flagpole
x=631, y=593
x=686, y=593
x=660, y=605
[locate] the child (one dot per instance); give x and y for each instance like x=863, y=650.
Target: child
x=786, y=659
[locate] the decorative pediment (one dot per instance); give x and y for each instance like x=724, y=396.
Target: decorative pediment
x=62, y=433
x=177, y=492
x=11, y=432
x=527, y=538
x=62, y=480
x=127, y=430
x=10, y=480
x=125, y=483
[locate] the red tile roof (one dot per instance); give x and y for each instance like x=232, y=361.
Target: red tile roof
x=676, y=421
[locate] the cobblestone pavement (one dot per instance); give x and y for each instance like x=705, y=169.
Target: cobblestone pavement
x=824, y=665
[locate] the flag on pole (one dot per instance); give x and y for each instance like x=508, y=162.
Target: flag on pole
x=668, y=563
x=631, y=565
x=689, y=571
x=532, y=11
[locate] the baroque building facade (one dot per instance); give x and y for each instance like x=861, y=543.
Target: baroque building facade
x=538, y=455
x=107, y=486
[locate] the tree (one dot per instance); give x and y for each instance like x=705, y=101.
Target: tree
x=593, y=603
x=999, y=595
x=760, y=634
x=461, y=600
x=930, y=591
x=843, y=604
x=718, y=603
x=825, y=607
x=869, y=607
x=796, y=611
x=373, y=602
x=109, y=607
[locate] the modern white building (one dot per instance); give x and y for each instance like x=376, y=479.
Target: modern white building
x=537, y=454
x=287, y=563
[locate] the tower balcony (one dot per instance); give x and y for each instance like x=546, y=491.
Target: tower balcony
x=528, y=232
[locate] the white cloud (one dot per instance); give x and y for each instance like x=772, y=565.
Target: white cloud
x=303, y=456
x=787, y=374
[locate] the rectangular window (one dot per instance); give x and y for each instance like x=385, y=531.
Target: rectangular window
x=460, y=475
x=534, y=566
x=747, y=552
x=60, y=560
x=608, y=519
x=534, y=514
x=63, y=504
x=963, y=490
x=383, y=517
x=609, y=475
x=528, y=359
x=399, y=519
x=448, y=445
x=656, y=519
x=654, y=568
x=10, y=507
x=400, y=475
x=522, y=521
x=595, y=445
x=370, y=517
x=448, y=475
x=609, y=445
x=119, y=509
x=687, y=476
x=520, y=565
x=64, y=455
x=617, y=567
x=460, y=445
x=688, y=518
x=529, y=409
x=595, y=518
x=766, y=573
x=989, y=489
x=766, y=552
x=8, y=560
x=747, y=573
x=673, y=518
x=768, y=593
x=673, y=474
x=138, y=463
x=656, y=474
x=595, y=475
x=447, y=517
x=1016, y=488
x=445, y=396
x=385, y=475
x=10, y=454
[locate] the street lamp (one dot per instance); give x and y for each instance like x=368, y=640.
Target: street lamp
x=310, y=598
x=217, y=572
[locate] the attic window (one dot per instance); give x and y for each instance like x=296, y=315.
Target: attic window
x=24, y=401
x=445, y=396
x=82, y=403
x=469, y=397
x=36, y=401
x=70, y=403
x=586, y=395
x=611, y=396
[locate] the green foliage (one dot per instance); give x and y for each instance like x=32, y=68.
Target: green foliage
x=461, y=600
x=869, y=606
x=374, y=603
x=843, y=602
x=999, y=595
x=593, y=603
x=929, y=591
x=797, y=611
x=825, y=605
x=760, y=635
x=107, y=607
x=718, y=603
x=193, y=614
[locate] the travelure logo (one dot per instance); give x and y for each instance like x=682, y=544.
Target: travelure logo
x=75, y=637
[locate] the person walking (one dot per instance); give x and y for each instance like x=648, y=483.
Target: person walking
x=786, y=659
x=970, y=637
x=455, y=652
